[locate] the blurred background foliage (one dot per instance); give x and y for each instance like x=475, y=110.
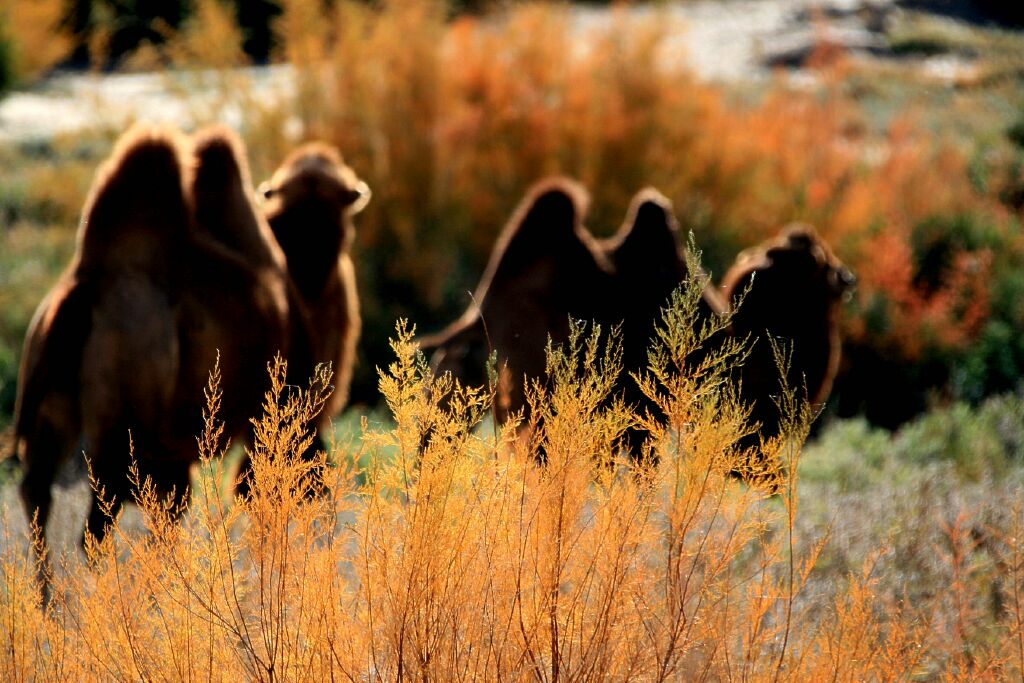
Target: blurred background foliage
x=450, y=111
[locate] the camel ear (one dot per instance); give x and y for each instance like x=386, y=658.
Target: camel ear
x=265, y=191
x=800, y=236
x=358, y=197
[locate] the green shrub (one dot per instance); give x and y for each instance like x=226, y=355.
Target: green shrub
x=977, y=441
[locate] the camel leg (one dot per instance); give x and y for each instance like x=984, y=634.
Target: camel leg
x=37, y=498
x=46, y=449
x=35, y=485
x=172, y=476
x=99, y=521
x=243, y=479
x=110, y=465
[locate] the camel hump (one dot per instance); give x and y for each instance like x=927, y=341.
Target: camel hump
x=547, y=223
x=137, y=210
x=224, y=198
x=220, y=159
x=550, y=213
x=648, y=236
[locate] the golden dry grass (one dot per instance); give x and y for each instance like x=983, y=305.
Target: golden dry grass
x=455, y=555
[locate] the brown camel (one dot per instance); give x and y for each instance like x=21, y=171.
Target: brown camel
x=794, y=286
x=124, y=342
x=545, y=268
x=309, y=202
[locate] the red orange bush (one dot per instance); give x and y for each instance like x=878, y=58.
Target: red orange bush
x=452, y=120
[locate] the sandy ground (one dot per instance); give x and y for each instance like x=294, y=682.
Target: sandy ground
x=71, y=503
